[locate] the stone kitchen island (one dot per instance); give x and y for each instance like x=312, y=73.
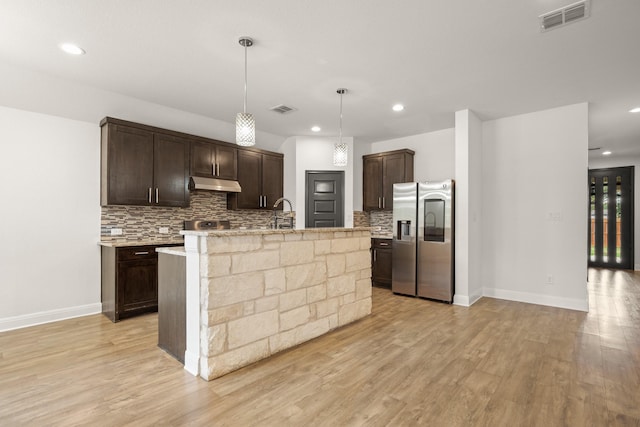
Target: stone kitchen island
x=253, y=293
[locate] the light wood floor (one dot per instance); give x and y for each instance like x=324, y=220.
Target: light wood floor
x=411, y=362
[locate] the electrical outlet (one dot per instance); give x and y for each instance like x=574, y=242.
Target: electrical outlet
x=116, y=231
x=549, y=279
x=163, y=230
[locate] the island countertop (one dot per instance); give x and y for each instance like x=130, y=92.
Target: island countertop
x=266, y=231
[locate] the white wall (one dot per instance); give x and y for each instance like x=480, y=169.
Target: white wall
x=434, y=158
x=614, y=163
x=535, y=192
x=316, y=153
x=50, y=218
x=468, y=208
x=37, y=92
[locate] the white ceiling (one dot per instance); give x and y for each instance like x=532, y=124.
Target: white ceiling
x=434, y=56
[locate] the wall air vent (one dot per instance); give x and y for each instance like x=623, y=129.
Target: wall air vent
x=565, y=15
x=282, y=109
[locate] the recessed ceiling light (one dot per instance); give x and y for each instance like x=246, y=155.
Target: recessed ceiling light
x=606, y=153
x=635, y=110
x=316, y=129
x=72, y=49
x=398, y=107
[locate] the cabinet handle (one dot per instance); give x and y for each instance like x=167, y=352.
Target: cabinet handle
x=213, y=169
x=375, y=255
x=265, y=201
x=259, y=201
x=149, y=194
x=157, y=195
x=141, y=253
x=218, y=169
x=379, y=203
x=383, y=203
x=383, y=244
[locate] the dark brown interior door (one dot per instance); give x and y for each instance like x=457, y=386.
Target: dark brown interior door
x=324, y=199
x=611, y=217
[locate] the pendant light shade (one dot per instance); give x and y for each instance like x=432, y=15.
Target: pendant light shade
x=245, y=123
x=245, y=129
x=340, y=149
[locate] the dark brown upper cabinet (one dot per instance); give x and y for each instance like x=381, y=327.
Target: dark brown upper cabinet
x=213, y=160
x=142, y=167
x=380, y=172
x=260, y=175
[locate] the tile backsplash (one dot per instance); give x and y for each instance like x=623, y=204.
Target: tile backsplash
x=382, y=219
x=143, y=222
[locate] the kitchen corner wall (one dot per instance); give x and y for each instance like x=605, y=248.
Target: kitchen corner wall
x=142, y=222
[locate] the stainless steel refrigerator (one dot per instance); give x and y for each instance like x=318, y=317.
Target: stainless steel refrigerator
x=423, y=239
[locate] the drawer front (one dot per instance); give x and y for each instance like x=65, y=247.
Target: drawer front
x=136, y=252
x=381, y=243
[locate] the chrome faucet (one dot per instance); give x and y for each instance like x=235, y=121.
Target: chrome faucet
x=275, y=212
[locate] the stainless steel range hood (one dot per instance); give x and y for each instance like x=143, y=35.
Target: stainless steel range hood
x=214, y=184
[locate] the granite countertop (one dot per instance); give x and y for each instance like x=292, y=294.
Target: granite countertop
x=127, y=243
x=378, y=235
x=253, y=232
x=173, y=250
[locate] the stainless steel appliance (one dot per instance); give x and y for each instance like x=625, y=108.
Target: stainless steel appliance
x=423, y=239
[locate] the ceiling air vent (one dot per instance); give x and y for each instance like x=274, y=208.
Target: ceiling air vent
x=282, y=109
x=565, y=15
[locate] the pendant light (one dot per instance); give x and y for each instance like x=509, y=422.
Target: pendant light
x=245, y=123
x=340, y=149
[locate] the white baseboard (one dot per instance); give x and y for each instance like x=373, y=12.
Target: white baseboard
x=548, y=300
x=26, y=320
x=636, y=267
x=466, y=300
x=462, y=300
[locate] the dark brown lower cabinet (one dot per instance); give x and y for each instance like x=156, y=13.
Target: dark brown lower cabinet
x=381, y=262
x=172, y=304
x=129, y=281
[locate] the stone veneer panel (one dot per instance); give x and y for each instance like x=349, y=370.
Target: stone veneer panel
x=319, y=281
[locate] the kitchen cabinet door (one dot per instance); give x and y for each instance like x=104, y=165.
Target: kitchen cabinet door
x=137, y=286
x=226, y=159
x=170, y=167
x=202, y=159
x=380, y=172
x=272, y=179
x=127, y=165
x=372, y=184
x=396, y=168
x=213, y=160
x=381, y=256
x=250, y=179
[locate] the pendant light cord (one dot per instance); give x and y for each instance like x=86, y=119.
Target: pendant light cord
x=244, y=110
x=341, y=117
